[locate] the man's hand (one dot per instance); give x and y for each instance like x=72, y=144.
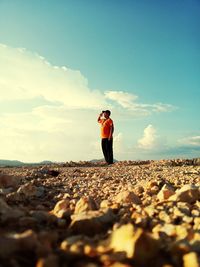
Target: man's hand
x=100, y=115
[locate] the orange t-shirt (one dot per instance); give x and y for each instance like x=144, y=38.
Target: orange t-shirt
x=106, y=124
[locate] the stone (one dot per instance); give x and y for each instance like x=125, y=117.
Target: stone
x=79, y=244
x=61, y=208
x=50, y=261
x=181, y=232
x=195, y=213
x=153, y=190
x=150, y=210
x=188, y=193
x=8, y=213
x=92, y=222
x=43, y=216
x=139, y=190
x=85, y=204
x=61, y=223
x=165, y=192
x=127, y=197
x=26, y=241
x=190, y=260
x=65, y=245
x=30, y=190
x=164, y=216
x=151, y=184
x=197, y=223
x=8, y=246
x=5, y=191
x=136, y=243
x=7, y=180
x=168, y=229
x=105, y=204
x=27, y=221
x=15, y=197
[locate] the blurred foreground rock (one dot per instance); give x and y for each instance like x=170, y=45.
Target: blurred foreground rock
x=133, y=213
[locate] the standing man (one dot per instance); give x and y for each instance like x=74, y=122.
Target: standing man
x=107, y=129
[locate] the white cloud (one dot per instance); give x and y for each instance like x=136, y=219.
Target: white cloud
x=123, y=98
x=118, y=141
x=191, y=140
x=63, y=125
x=128, y=101
x=149, y=139
x=26, y=75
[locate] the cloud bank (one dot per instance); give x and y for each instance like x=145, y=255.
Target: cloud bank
x=49, y=112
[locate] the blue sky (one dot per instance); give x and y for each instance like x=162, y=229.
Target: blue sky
x=147, y=50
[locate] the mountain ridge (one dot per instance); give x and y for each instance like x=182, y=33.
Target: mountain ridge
x=17, y=163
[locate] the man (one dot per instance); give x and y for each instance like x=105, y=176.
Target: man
x=107, y=129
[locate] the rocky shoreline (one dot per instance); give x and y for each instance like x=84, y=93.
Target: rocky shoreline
x=133, y=213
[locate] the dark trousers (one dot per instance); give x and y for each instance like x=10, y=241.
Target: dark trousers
x=107, y=148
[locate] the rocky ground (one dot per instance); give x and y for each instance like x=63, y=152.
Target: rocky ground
x=88, y=214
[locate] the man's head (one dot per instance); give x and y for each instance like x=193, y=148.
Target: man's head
x=107, y=114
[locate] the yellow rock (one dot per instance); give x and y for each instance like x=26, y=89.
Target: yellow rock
x=197, y=223
x=127, y=197
x=85, y=204
x=190, y=260
x=137, y=244
x=181, y=231
x=168, y=229
x=188, y=193
x=165, y=192
x=61, y=207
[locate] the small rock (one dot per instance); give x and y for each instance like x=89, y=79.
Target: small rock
x=85, y=204
x=127, y=197
x=26, y=241
x=165, y=192
x=71, y=241
x=139, y=190
x=168, y=229
x=8, y=213
x=6, y=191
x=188, y=193
x=164, y=216
x=61, y=208
x=153, y=190
x=197, y=223
x=190, y=260
x=9, y=180
x=137, y=244
x=61, y=223
x=30, y=190
x=27, y=221
x=105, y=204
x=43, y=216
x=92, y=222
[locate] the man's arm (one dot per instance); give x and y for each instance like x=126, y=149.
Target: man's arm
x=99, y=118
x=111, y=131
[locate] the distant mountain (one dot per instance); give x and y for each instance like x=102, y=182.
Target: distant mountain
x=17, y=163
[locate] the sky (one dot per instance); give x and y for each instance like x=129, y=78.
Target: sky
x=63, y=62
